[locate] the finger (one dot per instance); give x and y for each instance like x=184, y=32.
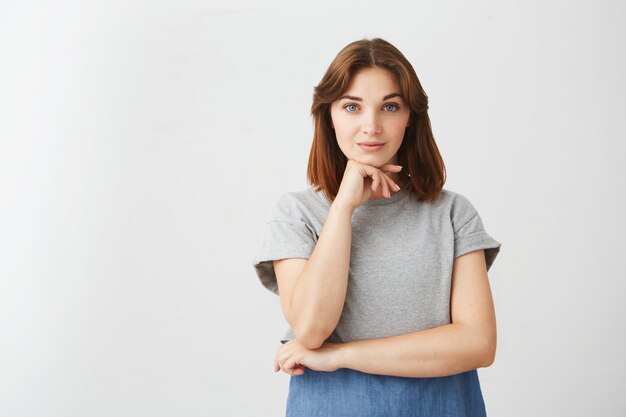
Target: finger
x=285, y=361
x=386, y=191
x=294, y=365
x=283, y=354
x=285, y=349
x=375, y=181
x=392, y=183
x=280, y=362
x=288, y=371
x=388, y=172
x=391, y=167
x=287, y=358
x=289, y=365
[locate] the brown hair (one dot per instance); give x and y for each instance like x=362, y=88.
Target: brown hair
x=423, y=170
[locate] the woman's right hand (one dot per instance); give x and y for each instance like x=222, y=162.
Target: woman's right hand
x=360, y=181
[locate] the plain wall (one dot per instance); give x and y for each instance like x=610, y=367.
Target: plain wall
x=143, y=145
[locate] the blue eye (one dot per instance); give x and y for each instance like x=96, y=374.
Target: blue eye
x=394, y=107
x=349, y=106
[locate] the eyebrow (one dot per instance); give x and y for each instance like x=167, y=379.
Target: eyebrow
x=387, y=97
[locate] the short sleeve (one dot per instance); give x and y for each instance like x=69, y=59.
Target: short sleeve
x=469, y=232
x=287, y=235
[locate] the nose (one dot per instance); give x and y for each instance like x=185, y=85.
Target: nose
x=370, y=125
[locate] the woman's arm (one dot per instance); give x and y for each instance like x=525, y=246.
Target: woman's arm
x=469, y=342
x=313, y=297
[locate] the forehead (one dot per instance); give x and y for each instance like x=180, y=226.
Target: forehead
x=372, y=82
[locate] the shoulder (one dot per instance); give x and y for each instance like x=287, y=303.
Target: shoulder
x=460, y=208
x=306, y=198
x=298, y=204
x=458, y=202
x=452, y=197
x=294, y=199
x=451, y=201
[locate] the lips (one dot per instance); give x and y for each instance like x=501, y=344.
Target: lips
x=370, y=146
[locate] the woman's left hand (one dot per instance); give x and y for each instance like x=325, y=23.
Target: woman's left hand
x=292, y=357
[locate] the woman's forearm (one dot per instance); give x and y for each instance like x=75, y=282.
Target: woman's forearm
x=440, y=351
x=319, y=294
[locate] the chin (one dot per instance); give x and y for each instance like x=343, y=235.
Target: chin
x=373, y=160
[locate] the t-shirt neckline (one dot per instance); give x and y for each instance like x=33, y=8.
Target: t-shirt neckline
x=383, y=201
x=369, y=203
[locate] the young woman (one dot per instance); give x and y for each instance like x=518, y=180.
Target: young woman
x=381, y=272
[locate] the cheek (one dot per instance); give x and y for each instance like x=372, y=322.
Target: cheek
x=335, y=116
x=338, y=121
x=344, y=143
x=400, y=127
x=344, y=130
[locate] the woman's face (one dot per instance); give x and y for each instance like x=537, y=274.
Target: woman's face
x=370, y=111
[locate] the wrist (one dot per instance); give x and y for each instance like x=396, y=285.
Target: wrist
x=342, y=355
x=341, y=207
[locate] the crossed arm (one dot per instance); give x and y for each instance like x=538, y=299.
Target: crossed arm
x=469, y=342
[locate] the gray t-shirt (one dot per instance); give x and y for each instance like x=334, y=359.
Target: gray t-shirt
x=400, y=261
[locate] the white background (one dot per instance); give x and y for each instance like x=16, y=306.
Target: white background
x=143, y=145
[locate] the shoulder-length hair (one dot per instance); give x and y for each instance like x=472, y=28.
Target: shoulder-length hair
x=423, y=171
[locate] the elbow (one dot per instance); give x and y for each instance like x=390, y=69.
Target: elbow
x=312, y=333
x=312, y=343
x=487, y=353
x=311, y=338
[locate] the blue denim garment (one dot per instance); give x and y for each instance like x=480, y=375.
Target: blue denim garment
x=351, y=393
